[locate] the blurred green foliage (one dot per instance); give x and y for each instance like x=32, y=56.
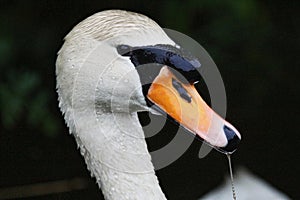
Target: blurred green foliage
x=23, y=103
x=26, y=100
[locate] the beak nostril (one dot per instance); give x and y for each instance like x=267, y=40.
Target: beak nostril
x=182, y=92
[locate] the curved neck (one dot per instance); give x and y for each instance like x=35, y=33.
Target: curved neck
x=115, y=152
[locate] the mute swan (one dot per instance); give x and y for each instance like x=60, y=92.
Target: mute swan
x=100, y=92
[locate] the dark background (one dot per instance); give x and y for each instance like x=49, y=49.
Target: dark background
x=254, y=43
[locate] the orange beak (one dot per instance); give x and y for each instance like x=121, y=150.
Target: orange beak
x=183, y=103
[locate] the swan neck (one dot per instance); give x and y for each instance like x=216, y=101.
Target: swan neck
x=115, y=152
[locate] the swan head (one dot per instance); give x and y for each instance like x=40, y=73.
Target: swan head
x=118, y=61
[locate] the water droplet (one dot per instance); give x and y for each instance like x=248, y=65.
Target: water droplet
x=123, y=148
x=231, y=177
x=99, y=184
x=112, y=189
x=118, y=108
x=69, y=59
x=104, y=178
x=72, y=66
x=98, y=180
x=115, y=176
x=113, y=77
x=82, y=150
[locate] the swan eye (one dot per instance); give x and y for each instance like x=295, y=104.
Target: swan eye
x=124, y=50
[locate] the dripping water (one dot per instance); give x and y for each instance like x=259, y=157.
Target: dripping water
x=231, y=176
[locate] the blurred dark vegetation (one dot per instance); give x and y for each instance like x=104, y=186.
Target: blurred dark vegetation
x=254, y=43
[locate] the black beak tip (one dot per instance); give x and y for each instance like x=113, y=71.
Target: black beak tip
x=232, y=138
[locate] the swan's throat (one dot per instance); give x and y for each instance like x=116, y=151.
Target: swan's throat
x=116, y=153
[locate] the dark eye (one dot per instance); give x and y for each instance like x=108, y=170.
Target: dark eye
x=180, y=89
x=124, y=50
